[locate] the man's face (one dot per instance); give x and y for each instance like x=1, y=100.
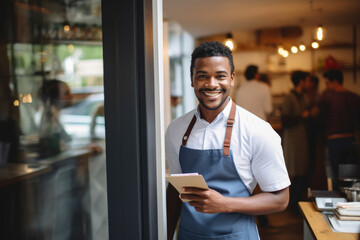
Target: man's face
x=65, y=96
x=308, y=83
x=212, y=81
x=329, y=85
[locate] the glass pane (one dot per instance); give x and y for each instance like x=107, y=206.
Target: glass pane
x=52, y=128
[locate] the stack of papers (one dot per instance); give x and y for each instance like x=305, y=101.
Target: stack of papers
x=344, y=225
x=346, y=217
x=348, y=211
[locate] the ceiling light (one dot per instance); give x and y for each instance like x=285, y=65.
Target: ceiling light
x=315, y=45
x=320, y=33
x=285, y=53
x=302, y=47
x=280, y=50
x=229, y=42
x=294, y=49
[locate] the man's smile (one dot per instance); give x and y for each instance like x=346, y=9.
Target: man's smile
x=211, y=93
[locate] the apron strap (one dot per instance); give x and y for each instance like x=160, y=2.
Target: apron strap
x=187, y=133
x=229, y=126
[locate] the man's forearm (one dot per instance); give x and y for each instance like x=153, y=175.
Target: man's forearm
x=259, y=204
x=173, y=207
x=211, y=201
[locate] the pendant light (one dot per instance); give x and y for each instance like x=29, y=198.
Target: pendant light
x=302, y=47
x=315, y=45
x=320, y=33
x=229, y=42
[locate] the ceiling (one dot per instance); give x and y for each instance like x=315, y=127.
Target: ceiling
x=203, y=18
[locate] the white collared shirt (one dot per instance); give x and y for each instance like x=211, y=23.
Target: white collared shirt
x=256, y=147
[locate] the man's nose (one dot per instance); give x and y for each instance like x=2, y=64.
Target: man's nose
x=212, y=82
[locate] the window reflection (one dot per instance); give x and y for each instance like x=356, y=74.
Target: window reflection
x=80, y=71
x=52, y=130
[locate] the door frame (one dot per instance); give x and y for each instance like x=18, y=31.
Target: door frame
x=133, y=118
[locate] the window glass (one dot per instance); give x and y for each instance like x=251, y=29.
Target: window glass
x=52, y=128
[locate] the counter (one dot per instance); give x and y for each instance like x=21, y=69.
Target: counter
x=15, y=172
x=316, y=227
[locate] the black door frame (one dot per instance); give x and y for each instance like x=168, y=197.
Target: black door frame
x=130, y=118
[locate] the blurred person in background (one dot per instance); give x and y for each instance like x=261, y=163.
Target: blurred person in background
x=313, y=124
x=254, y=95
x=340, y=108
x=99, y=110
x=53, y=138
x=55, y=95
x=263, y=77
x=294, y=115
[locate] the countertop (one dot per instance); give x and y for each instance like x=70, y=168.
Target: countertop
x=14, y=172
x=319, y=227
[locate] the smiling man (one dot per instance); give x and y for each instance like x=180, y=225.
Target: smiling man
x=232, y=148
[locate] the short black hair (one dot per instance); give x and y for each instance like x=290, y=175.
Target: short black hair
x=314, y=79
x=211, y=49
x=250, y=72
x=334, y=75
x=297, y=76
x=263, y=77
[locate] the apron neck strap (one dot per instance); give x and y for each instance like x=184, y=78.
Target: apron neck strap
x=229, y=125
x=188, y=131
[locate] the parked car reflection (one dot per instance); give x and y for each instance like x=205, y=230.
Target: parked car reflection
x=85, y=119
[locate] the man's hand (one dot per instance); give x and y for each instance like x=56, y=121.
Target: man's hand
x=205, y=201
x=210, y=201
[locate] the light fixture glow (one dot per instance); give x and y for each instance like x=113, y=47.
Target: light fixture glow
x=280, y=50
x=27, y=98
x=229, y=42
x=285, y=53
x=315, y=45
x=302, y=47
x=294, y=49
x=320, y=33
x=66, y=28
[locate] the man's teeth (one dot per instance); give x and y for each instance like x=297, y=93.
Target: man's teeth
x=211, y=94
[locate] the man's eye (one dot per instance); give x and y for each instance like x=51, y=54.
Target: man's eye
x=221, y=76
x=202, y=76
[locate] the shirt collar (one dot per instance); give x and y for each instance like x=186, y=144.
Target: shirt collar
x=224, y=113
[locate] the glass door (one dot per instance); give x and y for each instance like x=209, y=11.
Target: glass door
x=52, y=138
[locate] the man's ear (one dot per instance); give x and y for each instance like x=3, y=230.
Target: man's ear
x=232, y=81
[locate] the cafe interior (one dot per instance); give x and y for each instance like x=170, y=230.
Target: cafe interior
x=56, y=132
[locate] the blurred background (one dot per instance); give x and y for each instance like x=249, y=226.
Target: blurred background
x=53, y=161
